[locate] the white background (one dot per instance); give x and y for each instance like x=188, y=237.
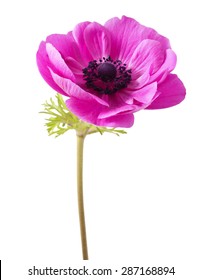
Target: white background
x=142, y=190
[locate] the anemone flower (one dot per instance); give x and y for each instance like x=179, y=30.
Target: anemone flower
x=107, y=72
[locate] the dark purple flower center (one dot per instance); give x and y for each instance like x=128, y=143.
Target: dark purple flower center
x=106, y=71
x=106, y=76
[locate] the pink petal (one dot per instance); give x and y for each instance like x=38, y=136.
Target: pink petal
x=172, y=92
x=89, y=112
x=66, y=45
x=116, y=106
x=146, y=94
x=56, y=60
x=126, y=97
x=127, y=33
x=44, y=64
x=125, y=121
x=168, y=65
x=78, y=34
x=86, y=110
x=76, y=68
x=97, y=40
x=74, y=65
x=123, y=37
x=139, y=79
x=73, y=90
x=148, y=55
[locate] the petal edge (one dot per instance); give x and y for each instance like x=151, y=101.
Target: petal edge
x=172, y=92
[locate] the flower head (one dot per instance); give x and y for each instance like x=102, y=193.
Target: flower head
x=110, y=72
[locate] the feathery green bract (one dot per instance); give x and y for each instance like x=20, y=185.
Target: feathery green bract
x=62, y=120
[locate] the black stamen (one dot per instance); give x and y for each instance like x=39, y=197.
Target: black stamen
x=106, y=76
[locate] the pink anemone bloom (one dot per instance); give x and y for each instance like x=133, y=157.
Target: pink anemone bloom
x=109, y=72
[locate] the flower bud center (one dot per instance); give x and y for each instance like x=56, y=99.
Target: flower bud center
x=106, y=76
x=106, y=71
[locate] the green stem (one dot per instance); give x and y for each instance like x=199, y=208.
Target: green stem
x=80, y=143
